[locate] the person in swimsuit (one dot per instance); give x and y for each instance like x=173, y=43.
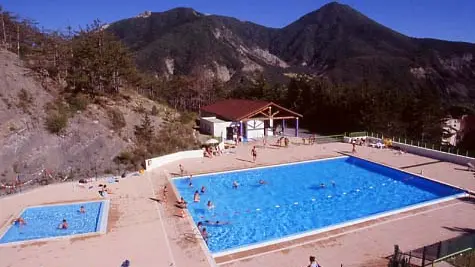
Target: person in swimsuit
x=254, y=153
x=204, y=233
x=196, y=196
x=19, y=221
x=182, y=170
x=235, y=184
x=203, y=189
x=313, y=262
x=64, y=225
x=210, y=205
x=82, y=209
x=262, y=182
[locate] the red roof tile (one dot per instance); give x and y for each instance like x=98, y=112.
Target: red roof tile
x=238, y=109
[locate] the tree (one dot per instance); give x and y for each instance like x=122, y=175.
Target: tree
x=144, y=132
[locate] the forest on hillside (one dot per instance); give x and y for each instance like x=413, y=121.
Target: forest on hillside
x=91, y=62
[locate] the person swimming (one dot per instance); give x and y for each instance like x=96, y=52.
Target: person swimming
x=262, y=182
x=190, y=184
x=199, y=225
x=333, y=183
x=203, y=189
x=64, y=225
x=19, y=221
x=235, y=184
x=204, y=234
x=322, y=185
x=196, y=196
x=217, y=223
x=82, y=209
x=210, y=205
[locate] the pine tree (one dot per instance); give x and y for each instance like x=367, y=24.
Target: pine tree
x=144, y=132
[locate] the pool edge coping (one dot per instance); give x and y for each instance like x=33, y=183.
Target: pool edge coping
x=465, y=193
x=338, y=226
x=102, y=230
x=261, y=167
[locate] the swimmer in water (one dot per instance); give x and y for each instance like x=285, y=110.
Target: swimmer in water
x=333, y=183
x=19, y=221
x=200, y=226
x=216, y=223
x=235, y=184
x=64, y=225
x=210, y=205
x=190, y=184
x=322, y=185
x=82, y=209
x=204, y=233
x=203, y=189
x=262, y=182
x=196, y=197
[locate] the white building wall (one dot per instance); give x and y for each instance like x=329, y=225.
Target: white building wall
x=206, y=126
x=255, y=129
x=219, y=129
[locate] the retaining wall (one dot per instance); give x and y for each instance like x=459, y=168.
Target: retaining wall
x=163, y=160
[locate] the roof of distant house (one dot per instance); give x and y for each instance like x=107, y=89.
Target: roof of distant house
x=238, y=109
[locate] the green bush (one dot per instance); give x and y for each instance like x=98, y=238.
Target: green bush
x=56, y=122
x=78, y=102
x=24, y=100
x=186, y=117
x=154, y=111
x=117, y=119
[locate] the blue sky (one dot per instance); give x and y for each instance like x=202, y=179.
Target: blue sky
x=442, y=19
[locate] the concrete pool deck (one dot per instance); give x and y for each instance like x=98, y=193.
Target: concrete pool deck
x=149, y=233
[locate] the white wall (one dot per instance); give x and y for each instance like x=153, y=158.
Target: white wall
x=219, y=129
x=206, y=126
x=160, y=161
x=255, y=129
x=457, y=159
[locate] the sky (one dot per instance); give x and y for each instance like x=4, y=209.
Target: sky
x=442, y=19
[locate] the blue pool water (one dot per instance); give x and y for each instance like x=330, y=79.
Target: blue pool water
x=293, y=202
x=43, y=221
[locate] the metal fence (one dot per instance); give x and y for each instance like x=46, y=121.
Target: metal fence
x=422, y=144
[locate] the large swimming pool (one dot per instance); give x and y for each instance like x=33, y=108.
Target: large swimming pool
x=294, y=201
x=43, y=221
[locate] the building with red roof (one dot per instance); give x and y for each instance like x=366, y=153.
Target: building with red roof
x=246, y=119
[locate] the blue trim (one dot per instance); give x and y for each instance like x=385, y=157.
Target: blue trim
x=99, y=216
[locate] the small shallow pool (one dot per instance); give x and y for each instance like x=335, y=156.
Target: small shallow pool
x=43, y=221
x=295, y=202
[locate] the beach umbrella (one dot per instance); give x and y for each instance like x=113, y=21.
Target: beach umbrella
x=212, y=142
x=230, y=142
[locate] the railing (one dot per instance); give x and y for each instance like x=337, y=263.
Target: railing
x=427, y=145
x=329, y=139
x=357, y=134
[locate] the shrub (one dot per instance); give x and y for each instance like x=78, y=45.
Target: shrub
x=56, y=122
x=186, y=117
x=154, y=111
x=125, y=157
x=117, y=119
x=24, y=100
x=78, y=102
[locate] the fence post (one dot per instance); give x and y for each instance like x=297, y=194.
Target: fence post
x=423, y=256
x=439, y=246
x=448, y=151
x=466, y=153
x=411, y=142
x=418, y=143
x=457, y=151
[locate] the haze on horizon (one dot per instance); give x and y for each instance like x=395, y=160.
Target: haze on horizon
x=440, y=19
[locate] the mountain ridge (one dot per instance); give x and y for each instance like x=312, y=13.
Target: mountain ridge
x=335, y=41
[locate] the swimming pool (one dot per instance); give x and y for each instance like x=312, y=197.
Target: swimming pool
x=294, y=202
x=42, y=221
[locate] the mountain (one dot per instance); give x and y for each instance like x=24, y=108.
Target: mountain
x=335, y=41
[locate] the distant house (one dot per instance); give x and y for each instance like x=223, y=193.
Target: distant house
x=247, y=119
x=451, y=131
x=455, y=129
